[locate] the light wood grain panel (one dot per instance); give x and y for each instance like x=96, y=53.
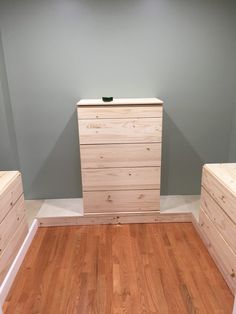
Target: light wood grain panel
x=120, y=130
x=117, y=218
x=10, y=193
x=6, y=178
x=8, y=255
x=220, y=192
x=11, y=222
x=114, y=218
x=213, y=254
x=219, y=218
x=121, y=102
x=226, y=173
x=121, y=179
x=115, y=112
x=223, y=252
x=120, y=155
x=121, y=201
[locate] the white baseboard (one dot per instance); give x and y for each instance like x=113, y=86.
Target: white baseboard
x=11, y=274
x=234, y=309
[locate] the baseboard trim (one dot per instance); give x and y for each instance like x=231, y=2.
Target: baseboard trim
x=234, y=309
x=11, y=274
x=196, y=225
x=120, y=218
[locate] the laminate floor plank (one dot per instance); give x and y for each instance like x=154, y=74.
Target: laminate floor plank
x=112, y=269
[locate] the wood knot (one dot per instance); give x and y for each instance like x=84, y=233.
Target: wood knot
x=222, y=198
x=94, y=126
x=109, y=198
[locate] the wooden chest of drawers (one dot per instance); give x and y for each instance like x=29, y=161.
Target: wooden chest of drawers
x=120, y=148
x=13, y=224
x=218, y=217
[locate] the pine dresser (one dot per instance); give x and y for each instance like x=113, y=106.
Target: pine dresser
x=13, y=223
x=218, y=217
x=120, y=151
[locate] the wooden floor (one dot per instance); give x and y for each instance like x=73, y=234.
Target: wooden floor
x=108, y=269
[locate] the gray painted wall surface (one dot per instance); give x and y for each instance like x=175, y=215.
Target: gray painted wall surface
x=58, y=51
x=232, y=152
x=8, y=147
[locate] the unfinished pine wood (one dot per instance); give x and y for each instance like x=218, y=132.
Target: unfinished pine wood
x=120, y=155
x=220, y=219
x=120, y=148
x=120, y=102
x=161, y=268
x=217, y=217
x=10, y=191
x=121, y=201
x=121, y=179
x=13, y=246
x=120, y=131
x=223, y=252
x=226, y=172
x=13, y=225
x=220, y=181
x=115, y=219
x=6, y=179
x=11, y=222
x=212, y=252
x=107, y=112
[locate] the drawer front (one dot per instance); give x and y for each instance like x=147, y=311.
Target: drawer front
x=121, y=179
x=120, y=155
x=220, y=249
x=10, y=196
x=11, y=222
x=121, y=201
x=120, y=130
x=220, y=220
x=117, y=112
x=220, y=193
x=12, y=248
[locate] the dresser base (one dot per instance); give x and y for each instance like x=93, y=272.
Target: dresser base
x=118, y=218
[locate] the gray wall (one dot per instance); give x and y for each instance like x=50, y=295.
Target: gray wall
x=232, y=151
x=8, y=146
x=58, y=51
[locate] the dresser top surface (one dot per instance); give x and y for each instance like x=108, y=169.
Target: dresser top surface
x=120, y=102
x=6, y=177
x=226, y=173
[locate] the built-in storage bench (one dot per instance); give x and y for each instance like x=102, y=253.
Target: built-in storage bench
x=120, y=149
x=218, y=217
x=13, y=224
